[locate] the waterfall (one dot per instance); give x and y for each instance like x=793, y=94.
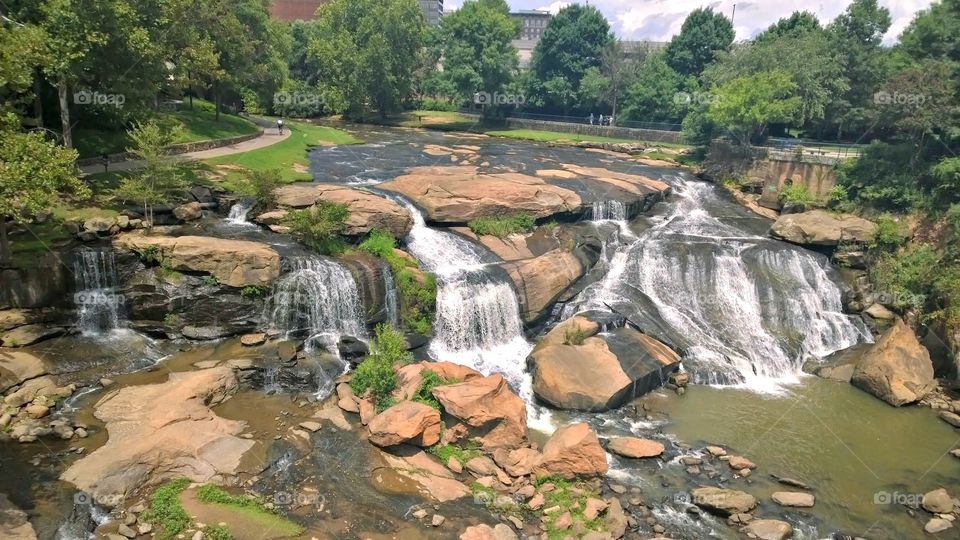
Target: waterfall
x=608, y=210
x=391, y=297
x=100, y=305
x=746, y=310
x=478, y=321
x=239, y=211
x=317, y=298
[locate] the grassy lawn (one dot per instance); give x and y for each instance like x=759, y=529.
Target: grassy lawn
x=552, y=136
x=439, y=120
x=199, y=124
x=289, y=155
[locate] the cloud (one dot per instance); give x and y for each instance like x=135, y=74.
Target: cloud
x=554, y=7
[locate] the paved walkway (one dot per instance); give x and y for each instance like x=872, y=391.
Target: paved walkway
x=267, y=138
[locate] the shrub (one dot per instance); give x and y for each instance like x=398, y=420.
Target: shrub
x=319, y=226
x=797, y=194
x=502, y=226
x=418, y=290
x=209, y=280
x=166, y=511
x=253, y=291
x=259, y=186
x=574, y=336
x=150, y=254
x=908, y=276
x=888, y=235
x=463, y=453
x=216, y=532
x=376, y=373
x=424, y=393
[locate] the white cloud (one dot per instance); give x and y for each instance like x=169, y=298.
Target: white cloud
x=554, y=7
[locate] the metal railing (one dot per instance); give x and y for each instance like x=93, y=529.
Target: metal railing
x=802, y=147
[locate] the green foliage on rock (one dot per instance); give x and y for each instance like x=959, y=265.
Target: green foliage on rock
x=418, y=289
x=798, y=194
x=503, y=226
x=424, y=393
x=319, y=226
x=160, y=177
x=259, y=186
x=464, y=452
x=166, y=511
x=376, y=374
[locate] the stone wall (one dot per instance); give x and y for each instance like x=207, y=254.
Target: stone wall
x=183, y=148
x=651, y=135
x=779, y=172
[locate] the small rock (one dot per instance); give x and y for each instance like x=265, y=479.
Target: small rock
x=691, y=460
x=126, y=531
x=454, y=465
x=80, y=432
x=437, y=520
x=937, y=501
x=950, y=418
x=252, y=340
x=768, y=529
x=106, y=382
x=716, y=451
x=536, y=501
x=145, y=528
x=937, y=525
x=593, y=507
x=312, y=427
x=794, y=499
x=618, y=489
x=420, y=513
x=563, y=522
x=738, y=463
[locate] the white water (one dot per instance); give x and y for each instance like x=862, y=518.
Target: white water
x=99, y=304
x=478, y=320
x=239, y=211
x=747, y=311
x=319, y=297
x=608, y=210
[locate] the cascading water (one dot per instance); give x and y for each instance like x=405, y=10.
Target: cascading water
x=478, y=320
x=238, y=212
x=608, y=210
x=100, y=305
x=391, y=297
x=745, y=310
x=318, y=298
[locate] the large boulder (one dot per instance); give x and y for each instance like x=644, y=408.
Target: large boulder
x=573, y=451
x=458, y=194
x=573, y=367
x=14, y=524
x=822, y=228
x=634, y=447
x=487, y=405
x=723, y=502
x=237, y=263
x=410, y=377
x=896, y=369
x=16, y=367
x=407, y=421
x=367, y=211
x=540, y=281
x=162, y=431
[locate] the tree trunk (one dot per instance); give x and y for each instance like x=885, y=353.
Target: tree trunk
x=37, y=102
x=4, y=242
x=216, y=91
x=65, y=112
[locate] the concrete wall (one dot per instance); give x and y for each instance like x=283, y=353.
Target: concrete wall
x=603, y=131
x=779, y=172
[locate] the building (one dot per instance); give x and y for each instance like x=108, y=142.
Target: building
x=432, y=11
x=294, y=10
x=532, y=23
x=305, y=10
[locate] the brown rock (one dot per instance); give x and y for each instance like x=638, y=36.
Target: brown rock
x=14, y=524
x=633, y=447
x=457, y=194
x=236, y=263
x=739, y=463
x=822, y=228
x=794, y=499
x=593, y=507
x=252, y=340
x=573, y=451
x=160, y=431
x=486, y=532
x=517, y=462
x=897, y=369
x=937, y=501
x=407, y=421
x=536, y=501
x=367, y=211
x=188, y=212
x=541, y=280
x=563, y=522
x=29, y=334
x=367, y=410
x=409, y=377
x=723, y=502
x=17, y=367
x=937, y=525
x=487, y=405
x=346, y=400
x=768, y=529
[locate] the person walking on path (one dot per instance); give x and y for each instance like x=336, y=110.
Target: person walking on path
x=280, y=125
x=591, y=119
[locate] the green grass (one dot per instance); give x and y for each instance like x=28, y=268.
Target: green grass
x=196, y=125
x=424, y=393
x=463, y=453
x=285, y=155
x=553, y=136
x=570, y=497
x=165, y=510
x=251, y=508
x=503, y=226
x=438, y=120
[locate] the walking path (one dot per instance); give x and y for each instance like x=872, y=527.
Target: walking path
x=268, y=137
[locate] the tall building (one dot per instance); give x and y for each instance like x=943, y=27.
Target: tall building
x=294, y=10
x=432, y=11
x=533, y=23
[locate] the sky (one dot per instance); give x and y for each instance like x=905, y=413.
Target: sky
x=659, y=20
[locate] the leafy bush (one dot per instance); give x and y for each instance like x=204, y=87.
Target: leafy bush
x=502, y=226
x=209, y=280
x=881, y=178
x=217, y=532
x=253, y=291
x=166, y=511
x=889, y=235
x=797, y=194
x=319, y=226
x=424, y=393
x=574, y=336
x=376, y=373
x=464, y=453
x=259, y=186
x=418, y=290
x=150, y=254
x=908, y=276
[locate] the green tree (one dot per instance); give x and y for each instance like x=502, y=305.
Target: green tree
x=703, y=34
x=474, y=43
x=160, y=176
x=33, y=171
x=573, y=42
x=745, y=106
x=319, y=226
x=366, y=53
x=798, y=23
x=654, y=94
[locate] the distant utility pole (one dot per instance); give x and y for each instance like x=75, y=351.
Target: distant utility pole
x=734, y=14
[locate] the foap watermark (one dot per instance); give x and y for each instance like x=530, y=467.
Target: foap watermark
x=98, y=298
x=107, y=500
x=86, y=97
x=298, y=499
x=694, y=98
x=297, y=99
x=897, y=98
x=496, y=98
x=912, y=500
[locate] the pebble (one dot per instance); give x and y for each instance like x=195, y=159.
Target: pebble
x=420, y=514
x=618, y=489
x=437, y=520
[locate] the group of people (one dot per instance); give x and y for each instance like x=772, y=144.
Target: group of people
x=603, y=121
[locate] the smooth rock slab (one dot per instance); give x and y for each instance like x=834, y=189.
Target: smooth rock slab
x=768, y=529
x=795, y=499
x=633, y=447
x=367, y=211
x=486, y=532
x=723, y=502
x=937, y=501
